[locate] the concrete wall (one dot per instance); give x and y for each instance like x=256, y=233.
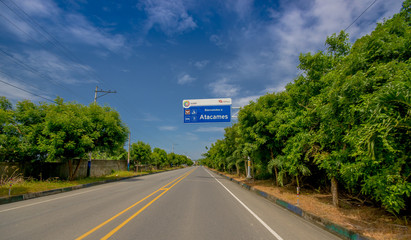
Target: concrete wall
x=60, y=170
x=98, y=168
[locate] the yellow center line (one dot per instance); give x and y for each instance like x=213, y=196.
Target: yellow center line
x=163, y=188
x=142, y=209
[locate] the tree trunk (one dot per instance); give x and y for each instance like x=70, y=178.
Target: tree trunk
x=77, y=167
x=71, y=173
x=238, y=169
x=275, y=168
x=334, y=191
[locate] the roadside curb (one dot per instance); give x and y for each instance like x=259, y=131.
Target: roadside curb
x=319, y=221
x=17, y=198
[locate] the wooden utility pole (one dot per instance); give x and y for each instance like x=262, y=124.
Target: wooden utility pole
x=102, y=91
x=95, y=102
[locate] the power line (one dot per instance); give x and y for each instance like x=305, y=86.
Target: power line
x=44, y=33
x=26, y=91
x=360, y=15
x=51, y=39
x=300, y=72
x=65, y=52
x=35, y=71
x=19, y=79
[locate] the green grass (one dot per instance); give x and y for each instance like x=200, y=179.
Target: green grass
x=32, y=186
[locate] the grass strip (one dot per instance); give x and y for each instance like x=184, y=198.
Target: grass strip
x=32, y=186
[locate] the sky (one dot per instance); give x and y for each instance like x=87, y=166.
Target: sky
x=156, y=53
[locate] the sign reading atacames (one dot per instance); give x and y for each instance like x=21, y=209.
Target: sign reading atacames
x=207, y=110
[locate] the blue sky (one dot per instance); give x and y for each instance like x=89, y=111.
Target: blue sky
x=155, y=53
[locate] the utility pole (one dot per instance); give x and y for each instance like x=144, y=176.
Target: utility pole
x=172, y=147
x=128, y=159
x=102, y=91
x=95, y=102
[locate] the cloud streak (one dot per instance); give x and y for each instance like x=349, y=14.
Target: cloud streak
x=266, y=51
x=223, y=88
x=83, y=31
x=170, y=16
x=185, y=79
x=167, y=128
x=210, y=129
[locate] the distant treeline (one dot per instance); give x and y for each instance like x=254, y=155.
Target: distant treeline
x=343, y=123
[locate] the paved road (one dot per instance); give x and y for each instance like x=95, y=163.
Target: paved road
x=190, y=203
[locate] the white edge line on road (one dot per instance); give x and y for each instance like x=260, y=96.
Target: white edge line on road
x=249, y=210
x=32, y=204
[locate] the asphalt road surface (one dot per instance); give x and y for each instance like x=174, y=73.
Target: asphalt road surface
x=190, y=203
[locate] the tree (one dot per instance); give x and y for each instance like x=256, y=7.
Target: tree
x=159, y=157
x=140, y=152
x=10, y=134
x=71, y=131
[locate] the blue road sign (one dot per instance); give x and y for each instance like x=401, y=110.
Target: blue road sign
x=203, y=114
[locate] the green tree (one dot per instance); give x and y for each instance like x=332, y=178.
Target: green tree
x=10, y=134
x=140, y=153
x=71, y=131
x=159, y=157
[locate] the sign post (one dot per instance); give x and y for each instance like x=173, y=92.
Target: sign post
x=207, y=110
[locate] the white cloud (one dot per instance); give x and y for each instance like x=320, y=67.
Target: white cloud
x=217, y=40
x=167, y=128
x=241, y=102
x=305, y=29
x=82, y=30
x=190, y=136
x=265, y=52
x=201, y=64
x=210, y=129
x=40, y=8
x=171, y=16
x=59, y=25
x=15, y=93
x=148, y=117
x=185, y=79
x=241, y=7
x=20, y=25
x=222, y=88
x=275, y=89
x=57, y=69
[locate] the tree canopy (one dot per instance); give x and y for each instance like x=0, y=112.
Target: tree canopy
x=61, y=131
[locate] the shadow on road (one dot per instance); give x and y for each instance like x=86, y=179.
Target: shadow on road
x=133, y=180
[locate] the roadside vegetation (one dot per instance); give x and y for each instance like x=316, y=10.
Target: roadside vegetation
x=342, y=126
x=67, y=131
x=18, y=185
